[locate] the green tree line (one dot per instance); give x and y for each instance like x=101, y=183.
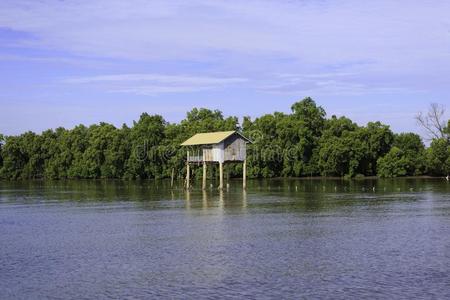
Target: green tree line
x=302, y=143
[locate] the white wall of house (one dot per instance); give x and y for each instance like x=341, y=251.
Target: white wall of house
x=218, y=152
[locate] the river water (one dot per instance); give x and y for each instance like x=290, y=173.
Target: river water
x=332, y=239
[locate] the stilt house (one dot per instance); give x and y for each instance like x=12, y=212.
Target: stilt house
x=216, y=147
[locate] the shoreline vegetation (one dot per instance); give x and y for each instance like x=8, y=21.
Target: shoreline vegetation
x=303, y=144
x=237, y=178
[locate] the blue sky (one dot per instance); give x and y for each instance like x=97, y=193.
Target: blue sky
x=68, y=62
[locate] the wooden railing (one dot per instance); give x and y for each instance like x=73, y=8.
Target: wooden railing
x=195, y=158
x=202, y=155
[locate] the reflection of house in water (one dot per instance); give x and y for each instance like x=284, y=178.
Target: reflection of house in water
x=214, y=200
x=216, y=147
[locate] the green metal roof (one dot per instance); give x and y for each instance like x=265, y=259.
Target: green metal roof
x=209, y=138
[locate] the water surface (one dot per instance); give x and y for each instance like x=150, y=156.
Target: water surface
x=279, y=239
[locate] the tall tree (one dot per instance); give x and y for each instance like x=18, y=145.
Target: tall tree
x=22, y=156
x=393, y=164
x=434, y=122
x=438, y=157
x=74, y=144
x=340, y=151
x=413, y=151
x=146, y=135
x=310, y=123
x=379, y=139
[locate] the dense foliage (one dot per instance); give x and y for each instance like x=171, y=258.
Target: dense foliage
x=302, y=143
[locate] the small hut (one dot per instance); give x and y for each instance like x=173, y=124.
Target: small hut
x=216, y=147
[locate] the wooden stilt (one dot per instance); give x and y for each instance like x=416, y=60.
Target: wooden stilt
x=220, y=175
x=204, y=199
x=204, y=176
x=211, y=176
x=188, y=199
x=244, y=174
x=187, y=172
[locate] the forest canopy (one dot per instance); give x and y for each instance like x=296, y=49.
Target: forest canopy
x=302, y=143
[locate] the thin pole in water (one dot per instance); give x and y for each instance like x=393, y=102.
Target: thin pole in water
x=204, y=176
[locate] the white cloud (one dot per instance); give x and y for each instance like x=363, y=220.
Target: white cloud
x=313, y=31
x=389, y=44
x=153, y=84
x=74, y=61
x=337, y=83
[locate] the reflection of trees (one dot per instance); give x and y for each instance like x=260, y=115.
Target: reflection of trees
x=276, y=195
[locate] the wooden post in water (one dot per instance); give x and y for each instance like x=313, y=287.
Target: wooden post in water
x=211, y=176
x=244, y=174
x=220, y=175
x=187, y=171
x=204, y=176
